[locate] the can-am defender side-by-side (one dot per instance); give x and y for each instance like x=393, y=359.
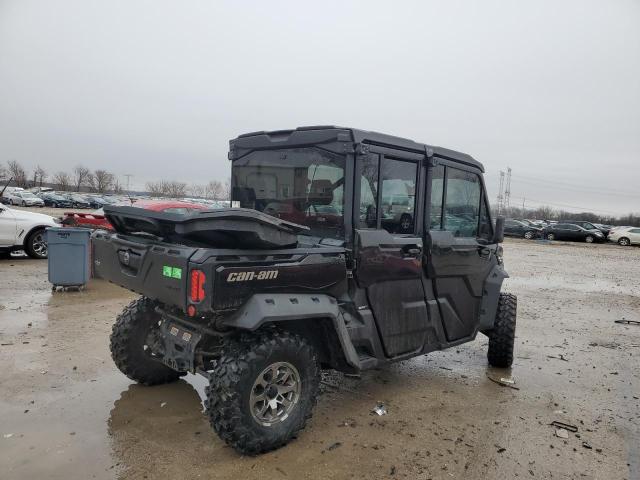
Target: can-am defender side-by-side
x=349, y=250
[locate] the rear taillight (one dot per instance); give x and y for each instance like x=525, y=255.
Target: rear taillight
x=197, y=285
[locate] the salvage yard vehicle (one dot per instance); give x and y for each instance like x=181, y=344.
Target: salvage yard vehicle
x=97, y=219
x=23, y=230
x=24, y=199
x=569, y=231
x=260, y=305
x=588, y=225
x=51, y=199
x=517, y=228
x=625, y=236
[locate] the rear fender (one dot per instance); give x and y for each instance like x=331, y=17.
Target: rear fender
x=297, y=312
x=490, y=297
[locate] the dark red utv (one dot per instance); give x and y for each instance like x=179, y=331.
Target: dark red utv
x=392, y=255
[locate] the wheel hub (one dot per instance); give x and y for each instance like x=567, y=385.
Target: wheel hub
x=275, y=393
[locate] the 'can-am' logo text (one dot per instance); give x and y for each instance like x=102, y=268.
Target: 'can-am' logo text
x=248, y=276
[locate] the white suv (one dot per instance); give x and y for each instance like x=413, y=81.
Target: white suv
x=625, y=236
x=23, y=230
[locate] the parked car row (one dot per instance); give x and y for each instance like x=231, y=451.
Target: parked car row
x=571, y=230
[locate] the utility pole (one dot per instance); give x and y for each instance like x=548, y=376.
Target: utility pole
x=507, y=191
x=500, y=189
x=128, y=176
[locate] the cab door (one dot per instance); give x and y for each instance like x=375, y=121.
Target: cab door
x=459, y=255
x=389, y=246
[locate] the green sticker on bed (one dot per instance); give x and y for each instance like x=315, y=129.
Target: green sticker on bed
x=172, y=272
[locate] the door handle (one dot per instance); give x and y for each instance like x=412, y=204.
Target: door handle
x=411, y=250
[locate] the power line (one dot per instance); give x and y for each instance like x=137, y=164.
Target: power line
x=584, y=209
x=589, y=188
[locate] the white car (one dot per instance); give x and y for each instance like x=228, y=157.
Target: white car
x=625, y=236
x=23, y=230
x=25, y=199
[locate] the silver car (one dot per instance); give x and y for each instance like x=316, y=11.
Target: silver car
x=26, y=199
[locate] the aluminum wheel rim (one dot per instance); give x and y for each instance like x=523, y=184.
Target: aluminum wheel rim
x=406, y=223
x=589, y=239
x=528, y=235
x=39, y=245
x=275, y=393
x=624, y=242
x=551, y=236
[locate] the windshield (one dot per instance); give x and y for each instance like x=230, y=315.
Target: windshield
x=27, y=195
x=300, y=185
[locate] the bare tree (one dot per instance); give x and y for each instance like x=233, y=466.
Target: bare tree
x=81, y=176
x=226, y=190
x=155, y=188
x=62, y=180
x=101, y=181
x=18, y=173
x=214, y=190
x=197, y=190
x=117, y=188
x=39, y=176
x=176, y=189
x=4, y=174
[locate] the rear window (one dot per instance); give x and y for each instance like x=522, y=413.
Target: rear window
x=299, y=185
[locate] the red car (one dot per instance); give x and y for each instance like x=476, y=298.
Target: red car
x=98, y=220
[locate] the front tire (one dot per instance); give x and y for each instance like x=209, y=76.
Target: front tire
x=529, y=234
x=624, y=241
x=589, y=239
x=502, y=337
x=36, y=245
x=128, y=341
x=263, y=390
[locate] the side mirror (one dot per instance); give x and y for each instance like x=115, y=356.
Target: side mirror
x=498, y=231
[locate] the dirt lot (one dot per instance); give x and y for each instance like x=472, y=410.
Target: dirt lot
x=67, y=413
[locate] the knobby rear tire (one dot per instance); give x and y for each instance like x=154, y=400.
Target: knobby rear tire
x=128, y=338
x=231, y=383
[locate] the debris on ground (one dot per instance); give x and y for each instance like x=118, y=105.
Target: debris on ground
x=565, y=426
x=587, y=445
x=8, y=435
x=628, y=322
x=333, y=446
x=163, y=404
x=380, y=409
x=559, y=357
x=504, y=382
x=562, y=433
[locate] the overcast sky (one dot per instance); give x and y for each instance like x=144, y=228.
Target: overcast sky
x=157, y=88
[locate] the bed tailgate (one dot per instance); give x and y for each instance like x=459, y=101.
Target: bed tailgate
x=153, y=269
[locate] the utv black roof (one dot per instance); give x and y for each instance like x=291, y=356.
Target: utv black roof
x=328, y=133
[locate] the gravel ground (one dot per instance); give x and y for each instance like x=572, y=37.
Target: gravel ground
x=67, y=413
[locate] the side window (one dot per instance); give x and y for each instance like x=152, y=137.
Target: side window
x=437, y=191
x=462, y=203
x=369, y=192
x=398, y=199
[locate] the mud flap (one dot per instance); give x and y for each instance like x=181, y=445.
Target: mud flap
x=490, y=297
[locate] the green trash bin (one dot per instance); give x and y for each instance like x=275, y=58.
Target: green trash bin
x=69, y=256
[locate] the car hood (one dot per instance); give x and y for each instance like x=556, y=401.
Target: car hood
x=33, y=217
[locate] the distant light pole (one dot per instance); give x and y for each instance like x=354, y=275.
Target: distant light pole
x=128, y=176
